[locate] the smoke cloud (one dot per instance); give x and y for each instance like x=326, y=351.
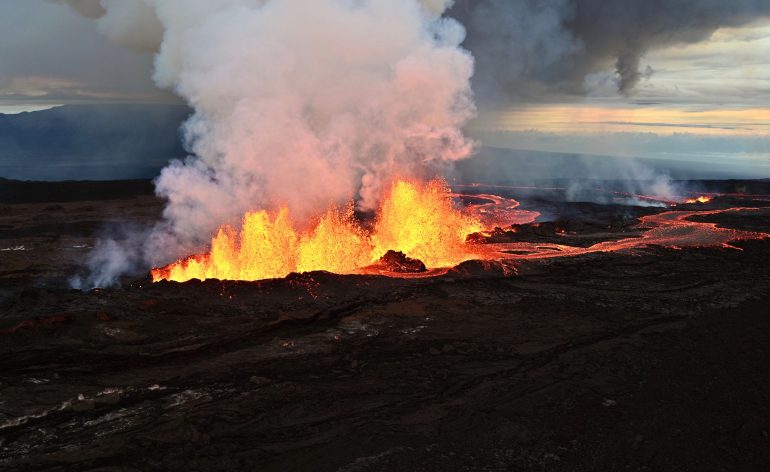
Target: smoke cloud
x=131, y=23
x=308, y=104
x=303, y=104
x=87, y=8
x=524, y=47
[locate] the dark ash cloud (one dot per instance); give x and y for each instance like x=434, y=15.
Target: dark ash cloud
x=526, y=47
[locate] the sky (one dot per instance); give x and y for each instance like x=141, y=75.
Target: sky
x=705, y=99
x=49, y=55
x=706, y=102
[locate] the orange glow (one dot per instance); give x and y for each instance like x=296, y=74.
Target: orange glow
x=586, y=118
x=701, y=199
x=671, y=229
x=415, y=218
x=419, y=221
x=337, y=244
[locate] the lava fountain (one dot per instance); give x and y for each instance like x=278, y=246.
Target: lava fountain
x=417, y=219
x=700, y=199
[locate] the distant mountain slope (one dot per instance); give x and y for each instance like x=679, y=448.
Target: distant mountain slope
x=95, y=142
x=108, y=142
x=501, y=165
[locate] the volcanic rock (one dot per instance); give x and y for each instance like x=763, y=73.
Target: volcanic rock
x=479, y=268
x=396, y=261
x=602, y=361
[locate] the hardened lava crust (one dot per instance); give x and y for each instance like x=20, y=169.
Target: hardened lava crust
x=646, y=359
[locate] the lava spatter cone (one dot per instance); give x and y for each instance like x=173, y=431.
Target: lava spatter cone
x=396, y=261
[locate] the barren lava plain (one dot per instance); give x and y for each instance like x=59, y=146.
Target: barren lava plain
x=647, y=359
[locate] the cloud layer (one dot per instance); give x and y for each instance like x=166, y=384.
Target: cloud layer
x=525, y=47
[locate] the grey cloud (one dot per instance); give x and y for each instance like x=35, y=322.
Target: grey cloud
x=527, y=49
x=524, y=46
x=87, y=8
x=42, y=41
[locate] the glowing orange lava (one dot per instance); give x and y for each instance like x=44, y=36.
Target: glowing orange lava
x=700, y=199
x=495, y=211
x=419, y=220
x=415, y=218
x=671, y=229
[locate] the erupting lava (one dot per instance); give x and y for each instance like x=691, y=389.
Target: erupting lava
x=414, y=218
x=700, y=199
x=420, y=221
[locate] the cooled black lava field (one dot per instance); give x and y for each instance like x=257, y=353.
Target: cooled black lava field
x=650, y=359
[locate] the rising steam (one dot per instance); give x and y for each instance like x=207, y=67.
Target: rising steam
x=312, y=103
x=297, y=103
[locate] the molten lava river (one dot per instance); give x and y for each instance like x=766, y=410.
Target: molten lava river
x=421, y=221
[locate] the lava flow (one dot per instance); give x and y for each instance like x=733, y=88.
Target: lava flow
x=700, y=199
x=494, y=211
x=414, y=218
x=672, y=229
x=420, y=221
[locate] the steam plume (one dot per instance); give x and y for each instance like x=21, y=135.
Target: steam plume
x=298, y=103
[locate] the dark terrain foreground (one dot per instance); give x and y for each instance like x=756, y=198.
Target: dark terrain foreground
x=656, y=359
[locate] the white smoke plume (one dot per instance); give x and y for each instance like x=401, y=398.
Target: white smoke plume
x=299, y=103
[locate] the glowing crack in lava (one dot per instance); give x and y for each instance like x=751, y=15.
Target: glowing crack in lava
x=495, y=211
x=671, y=229
x=415, y=218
